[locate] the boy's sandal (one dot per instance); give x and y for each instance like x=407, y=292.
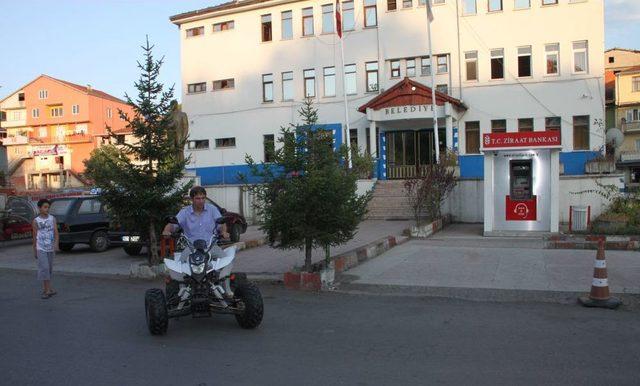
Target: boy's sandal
x=45, y=296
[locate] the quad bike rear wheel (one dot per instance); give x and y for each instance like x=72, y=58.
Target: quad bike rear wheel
x=249, y=296
x=156, y=311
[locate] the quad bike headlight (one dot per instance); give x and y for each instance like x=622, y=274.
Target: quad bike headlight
x=197, y=268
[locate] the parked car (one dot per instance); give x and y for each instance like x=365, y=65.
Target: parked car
x=133, y=242
x=13, y=227
x=82, y=220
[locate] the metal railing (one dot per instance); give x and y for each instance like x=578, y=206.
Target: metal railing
x=630, y=127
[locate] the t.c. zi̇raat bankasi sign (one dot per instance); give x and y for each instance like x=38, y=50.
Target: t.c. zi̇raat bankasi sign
x=528, y=140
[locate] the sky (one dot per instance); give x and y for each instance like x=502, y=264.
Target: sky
x=98, y=42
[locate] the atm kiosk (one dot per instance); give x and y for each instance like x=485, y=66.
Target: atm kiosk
x=521, y=182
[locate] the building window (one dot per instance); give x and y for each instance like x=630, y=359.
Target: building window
x=42, y=132
x=635, y=84
x=21, y=97
x=395, y=68
x=197, y=31
x=407, y=3
x=495, y=5
x=307, y=21
x=224, y=26
x=633, y=115
x=266, y=28
x=3, y=116
x=226, y=142
x=17, y=116
x=581, y=132
x=411, y=67
x=309, y=83
x=327, y=19
x=524, y=61
x=75, y=109
x=549, y=2
x=329, y=77
x=196, y=88
x=353, y=138
x=425, y=66
x=287, y=86
x=522, y=4
x=56, y=111
x=580, y=61
x=267, y=88
x=269, y=147
x=499, y=126
x=472, y=137
x=525, y=125
x=552, y=123
x=469, y=7
x=443, y=88
x=612, y=59
x=287, y=25
x=391, y=5
x=348, y=17
x=372, y=76
x=471, y=65
x=43, y=94
x=35, y=113
x=350, y=79
x=370, y=13
x=553, y=57
x=497, y=64
x=443, y=65
x=109, y=113
x=223, y=84
x=198, y=144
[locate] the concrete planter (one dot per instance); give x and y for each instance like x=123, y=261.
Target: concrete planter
x=426, y=230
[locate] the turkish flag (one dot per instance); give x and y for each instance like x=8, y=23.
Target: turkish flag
x=338, y=19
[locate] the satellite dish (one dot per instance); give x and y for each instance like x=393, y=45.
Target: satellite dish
x=615, y=137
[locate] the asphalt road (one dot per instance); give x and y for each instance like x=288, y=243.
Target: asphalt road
x=93, y=332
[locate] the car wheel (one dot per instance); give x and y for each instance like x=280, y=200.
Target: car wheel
x=132, y=250
x=99, y=242
x=235, y=233
x=66, y=247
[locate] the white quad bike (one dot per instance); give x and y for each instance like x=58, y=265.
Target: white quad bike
x=203, y=285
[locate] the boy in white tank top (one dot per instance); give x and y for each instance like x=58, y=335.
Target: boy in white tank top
x=45, y=243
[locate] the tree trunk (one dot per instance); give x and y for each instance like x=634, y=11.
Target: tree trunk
x=154, y=257
x=307, y=254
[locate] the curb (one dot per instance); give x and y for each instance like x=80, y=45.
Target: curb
x=631, y=301
x=425, y=231
x=615, y=243
x=322, y=277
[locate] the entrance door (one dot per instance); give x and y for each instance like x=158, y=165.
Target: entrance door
x=409, y=152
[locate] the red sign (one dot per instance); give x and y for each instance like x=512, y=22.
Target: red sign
x=529, y=140
x=522, y=210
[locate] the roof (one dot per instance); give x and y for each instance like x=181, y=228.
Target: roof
x=220, y=7
x=83, y=89
x=630, y=70
x=623, y=49
x=408, y=92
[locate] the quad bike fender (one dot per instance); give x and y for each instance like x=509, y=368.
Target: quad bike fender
x=226, y=259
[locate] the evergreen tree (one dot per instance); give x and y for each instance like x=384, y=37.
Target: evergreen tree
x=307, y=197
x=140, y=181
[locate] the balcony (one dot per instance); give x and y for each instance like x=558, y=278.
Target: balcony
x=631, y=127
x=16, y=140
x=630, y=156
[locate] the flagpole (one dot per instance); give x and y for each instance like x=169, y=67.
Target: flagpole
x=433, y=82
x=347, y=138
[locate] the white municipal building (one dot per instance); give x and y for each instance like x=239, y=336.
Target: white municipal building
x=520, y=91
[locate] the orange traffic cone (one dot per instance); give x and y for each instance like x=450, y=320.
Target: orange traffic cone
x=599, y=296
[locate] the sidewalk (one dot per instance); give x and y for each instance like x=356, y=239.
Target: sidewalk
x=459, y=258
x=258, y=261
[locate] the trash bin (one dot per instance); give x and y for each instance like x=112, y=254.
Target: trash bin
x=579, y=218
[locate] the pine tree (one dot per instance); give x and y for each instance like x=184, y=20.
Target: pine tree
x=307, y=197
x=140, y=181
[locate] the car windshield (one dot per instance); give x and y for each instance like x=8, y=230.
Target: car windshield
x=60, y=207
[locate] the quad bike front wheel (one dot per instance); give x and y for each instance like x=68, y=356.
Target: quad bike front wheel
x=156, y=311
x=250, y=298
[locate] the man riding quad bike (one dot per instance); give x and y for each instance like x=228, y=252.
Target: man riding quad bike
x=200, y=279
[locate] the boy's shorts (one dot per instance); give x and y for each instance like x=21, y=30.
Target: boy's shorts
x=45, y=264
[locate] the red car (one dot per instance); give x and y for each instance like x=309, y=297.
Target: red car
x=14, y=227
